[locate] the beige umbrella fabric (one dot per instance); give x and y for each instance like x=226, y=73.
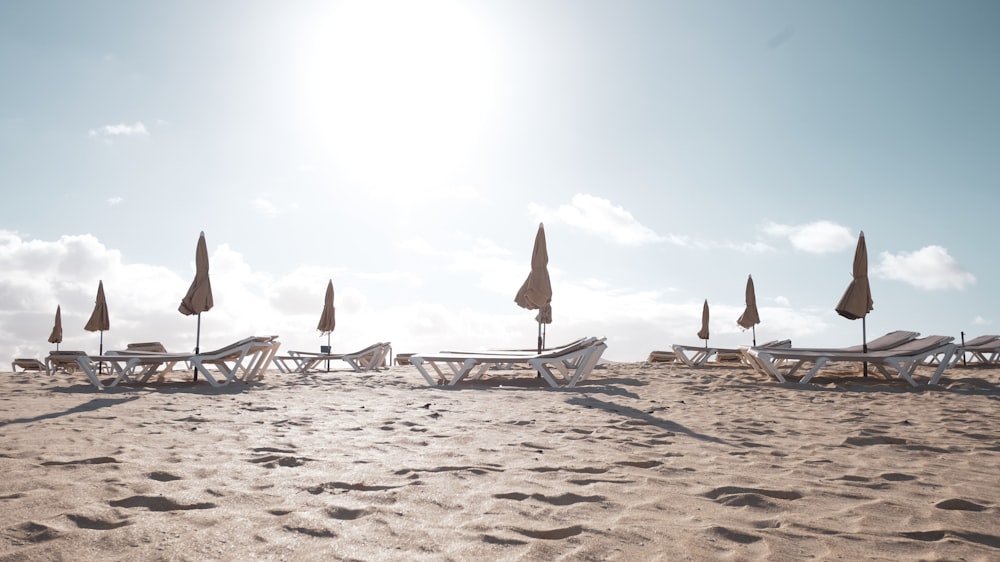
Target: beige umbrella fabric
x=703, y=333
x=99, y=320
x=199, y=295
x=56, y=335
x=536, y=291
x=857, y=299
x=328, y=319
x=750, y=318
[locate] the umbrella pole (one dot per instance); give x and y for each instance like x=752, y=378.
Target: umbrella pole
x=329, y=349
x=539, y=375
x=545, y=330
x=100, y=352
x=754, y=328
x=197, y=344
x=963, y=347
x=864, y=343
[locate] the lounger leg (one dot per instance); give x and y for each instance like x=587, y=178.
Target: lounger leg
x=418, y=362
x=766, y=362
x=945, y=362
x=586, y=365
x=466, y=367
x=543, y=369
x=84, y=363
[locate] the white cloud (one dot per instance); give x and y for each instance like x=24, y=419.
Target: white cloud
x=602, y=217
x=265, y=206
x=36, y=276
x=114, y=201
x=121, y=129
x=820, y=237
x=930, y=268
x=748, y=247
x=980, y=321
x=782, y=301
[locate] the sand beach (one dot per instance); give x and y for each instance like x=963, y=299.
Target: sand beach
x=644, y=461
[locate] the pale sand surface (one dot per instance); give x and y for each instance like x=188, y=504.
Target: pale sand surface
x=643, y=462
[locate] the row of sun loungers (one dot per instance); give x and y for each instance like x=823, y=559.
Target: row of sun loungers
x=896, y=354
x=244, y=360
x=698, y=356
x=566, y=365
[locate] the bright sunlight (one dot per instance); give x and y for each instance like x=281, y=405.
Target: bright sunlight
x=401, y=92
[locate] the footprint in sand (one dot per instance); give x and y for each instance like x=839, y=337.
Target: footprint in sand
x=550, y=534
x=274, y=461
x=95, y=460
x=640, y=464
x=734, y=496
x=346, y=514
x=734, y=536
x=490, y=539
x=897, y=477
x=161, y=476
x=563, y=499
x=991, y=541
x=31, y=533
x=96, y=523
x=959, y=505
x=359, y=487
x=584, y=470
x=318, y=533
x=158, y=503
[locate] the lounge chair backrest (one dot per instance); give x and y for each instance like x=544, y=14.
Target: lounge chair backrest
x=150, y=346
x=919, y=345
x=888, y=341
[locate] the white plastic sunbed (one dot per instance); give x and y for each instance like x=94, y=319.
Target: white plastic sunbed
x=697, y=356
x=245, y=359
x=370, y=358
x=901, y=360
x=565, y=366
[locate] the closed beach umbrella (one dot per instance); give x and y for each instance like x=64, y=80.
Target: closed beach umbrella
x=536, y=291
x=857, y=299
x=99, y=320
x=328, y=319
x=56, y=335
x=750, y=318
x=199, y=295
x=703, y=332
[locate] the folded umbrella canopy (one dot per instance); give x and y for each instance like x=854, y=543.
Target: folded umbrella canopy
x=857, y=299
x=55, y=336
x=199, y=296
x=703, y=332
x=99, y=320
x=750, y=318
x=536, y=291
x=328, y=319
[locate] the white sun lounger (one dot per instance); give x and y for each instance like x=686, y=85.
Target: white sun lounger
x=697, y=356
x=981, y=350
x=901, y=361
x=371, y=358
x=27, y=364
x=566, y=366
x=246, y=359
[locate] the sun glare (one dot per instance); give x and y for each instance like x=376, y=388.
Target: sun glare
x=401, y=91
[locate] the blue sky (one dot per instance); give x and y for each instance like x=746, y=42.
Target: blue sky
x=408, y=151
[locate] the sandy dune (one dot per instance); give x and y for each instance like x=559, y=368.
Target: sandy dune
x=644, y=461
